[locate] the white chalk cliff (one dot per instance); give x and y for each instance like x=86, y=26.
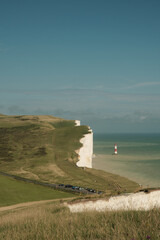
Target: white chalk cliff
x=134, y=201
x=85, y=153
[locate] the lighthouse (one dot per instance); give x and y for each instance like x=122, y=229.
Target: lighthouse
x=115, y=148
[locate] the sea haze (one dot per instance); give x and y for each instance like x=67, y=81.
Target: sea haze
x=138, y=156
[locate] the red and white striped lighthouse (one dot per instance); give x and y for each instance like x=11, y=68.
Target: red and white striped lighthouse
x=115, y=148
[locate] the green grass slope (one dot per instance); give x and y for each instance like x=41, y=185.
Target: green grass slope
x=13, y=192
x=43, y=148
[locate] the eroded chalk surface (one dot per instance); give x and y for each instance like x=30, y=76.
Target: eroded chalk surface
x=135, y=201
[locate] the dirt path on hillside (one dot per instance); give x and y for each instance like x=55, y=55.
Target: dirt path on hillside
x=28, y=204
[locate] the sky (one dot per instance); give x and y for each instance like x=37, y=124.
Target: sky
x=93, y=60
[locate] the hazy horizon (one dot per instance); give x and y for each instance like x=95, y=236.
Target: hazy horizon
x=96, y=61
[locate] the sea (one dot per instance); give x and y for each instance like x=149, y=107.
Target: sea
x=138, y=156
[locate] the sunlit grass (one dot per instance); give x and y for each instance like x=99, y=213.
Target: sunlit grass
x=13, y=192
x=53, y=221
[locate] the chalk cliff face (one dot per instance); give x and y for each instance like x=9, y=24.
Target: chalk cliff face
x=135, y=201
x=85, y=153
x=77, y=123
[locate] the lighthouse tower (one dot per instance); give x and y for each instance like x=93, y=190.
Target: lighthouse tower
x=115, y=148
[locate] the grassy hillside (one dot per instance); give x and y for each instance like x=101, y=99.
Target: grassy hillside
x=43, y=148
x=53, y=221
x=13, y=192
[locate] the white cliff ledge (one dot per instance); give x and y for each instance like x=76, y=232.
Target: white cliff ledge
x=135, y=201
x=85, y=153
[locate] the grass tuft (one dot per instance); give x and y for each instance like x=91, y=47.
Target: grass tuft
x=53, y=221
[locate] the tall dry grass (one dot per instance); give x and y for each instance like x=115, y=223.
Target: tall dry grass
x=55, y=222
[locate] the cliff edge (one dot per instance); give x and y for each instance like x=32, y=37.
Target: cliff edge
x=85, y=153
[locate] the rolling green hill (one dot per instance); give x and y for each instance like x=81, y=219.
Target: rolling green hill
x=43, y=148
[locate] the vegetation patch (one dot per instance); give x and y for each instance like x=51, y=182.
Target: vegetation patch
x=53, y=221
x=13, y=192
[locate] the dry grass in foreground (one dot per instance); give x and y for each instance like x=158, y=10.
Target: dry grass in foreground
x=55, y=222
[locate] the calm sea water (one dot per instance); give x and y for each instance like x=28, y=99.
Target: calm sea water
x=138, y=156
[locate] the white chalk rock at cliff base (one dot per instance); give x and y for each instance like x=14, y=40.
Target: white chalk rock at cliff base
x=85, y=153
x=135, y=201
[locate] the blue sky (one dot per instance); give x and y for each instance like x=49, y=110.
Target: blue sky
x=97, y=61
